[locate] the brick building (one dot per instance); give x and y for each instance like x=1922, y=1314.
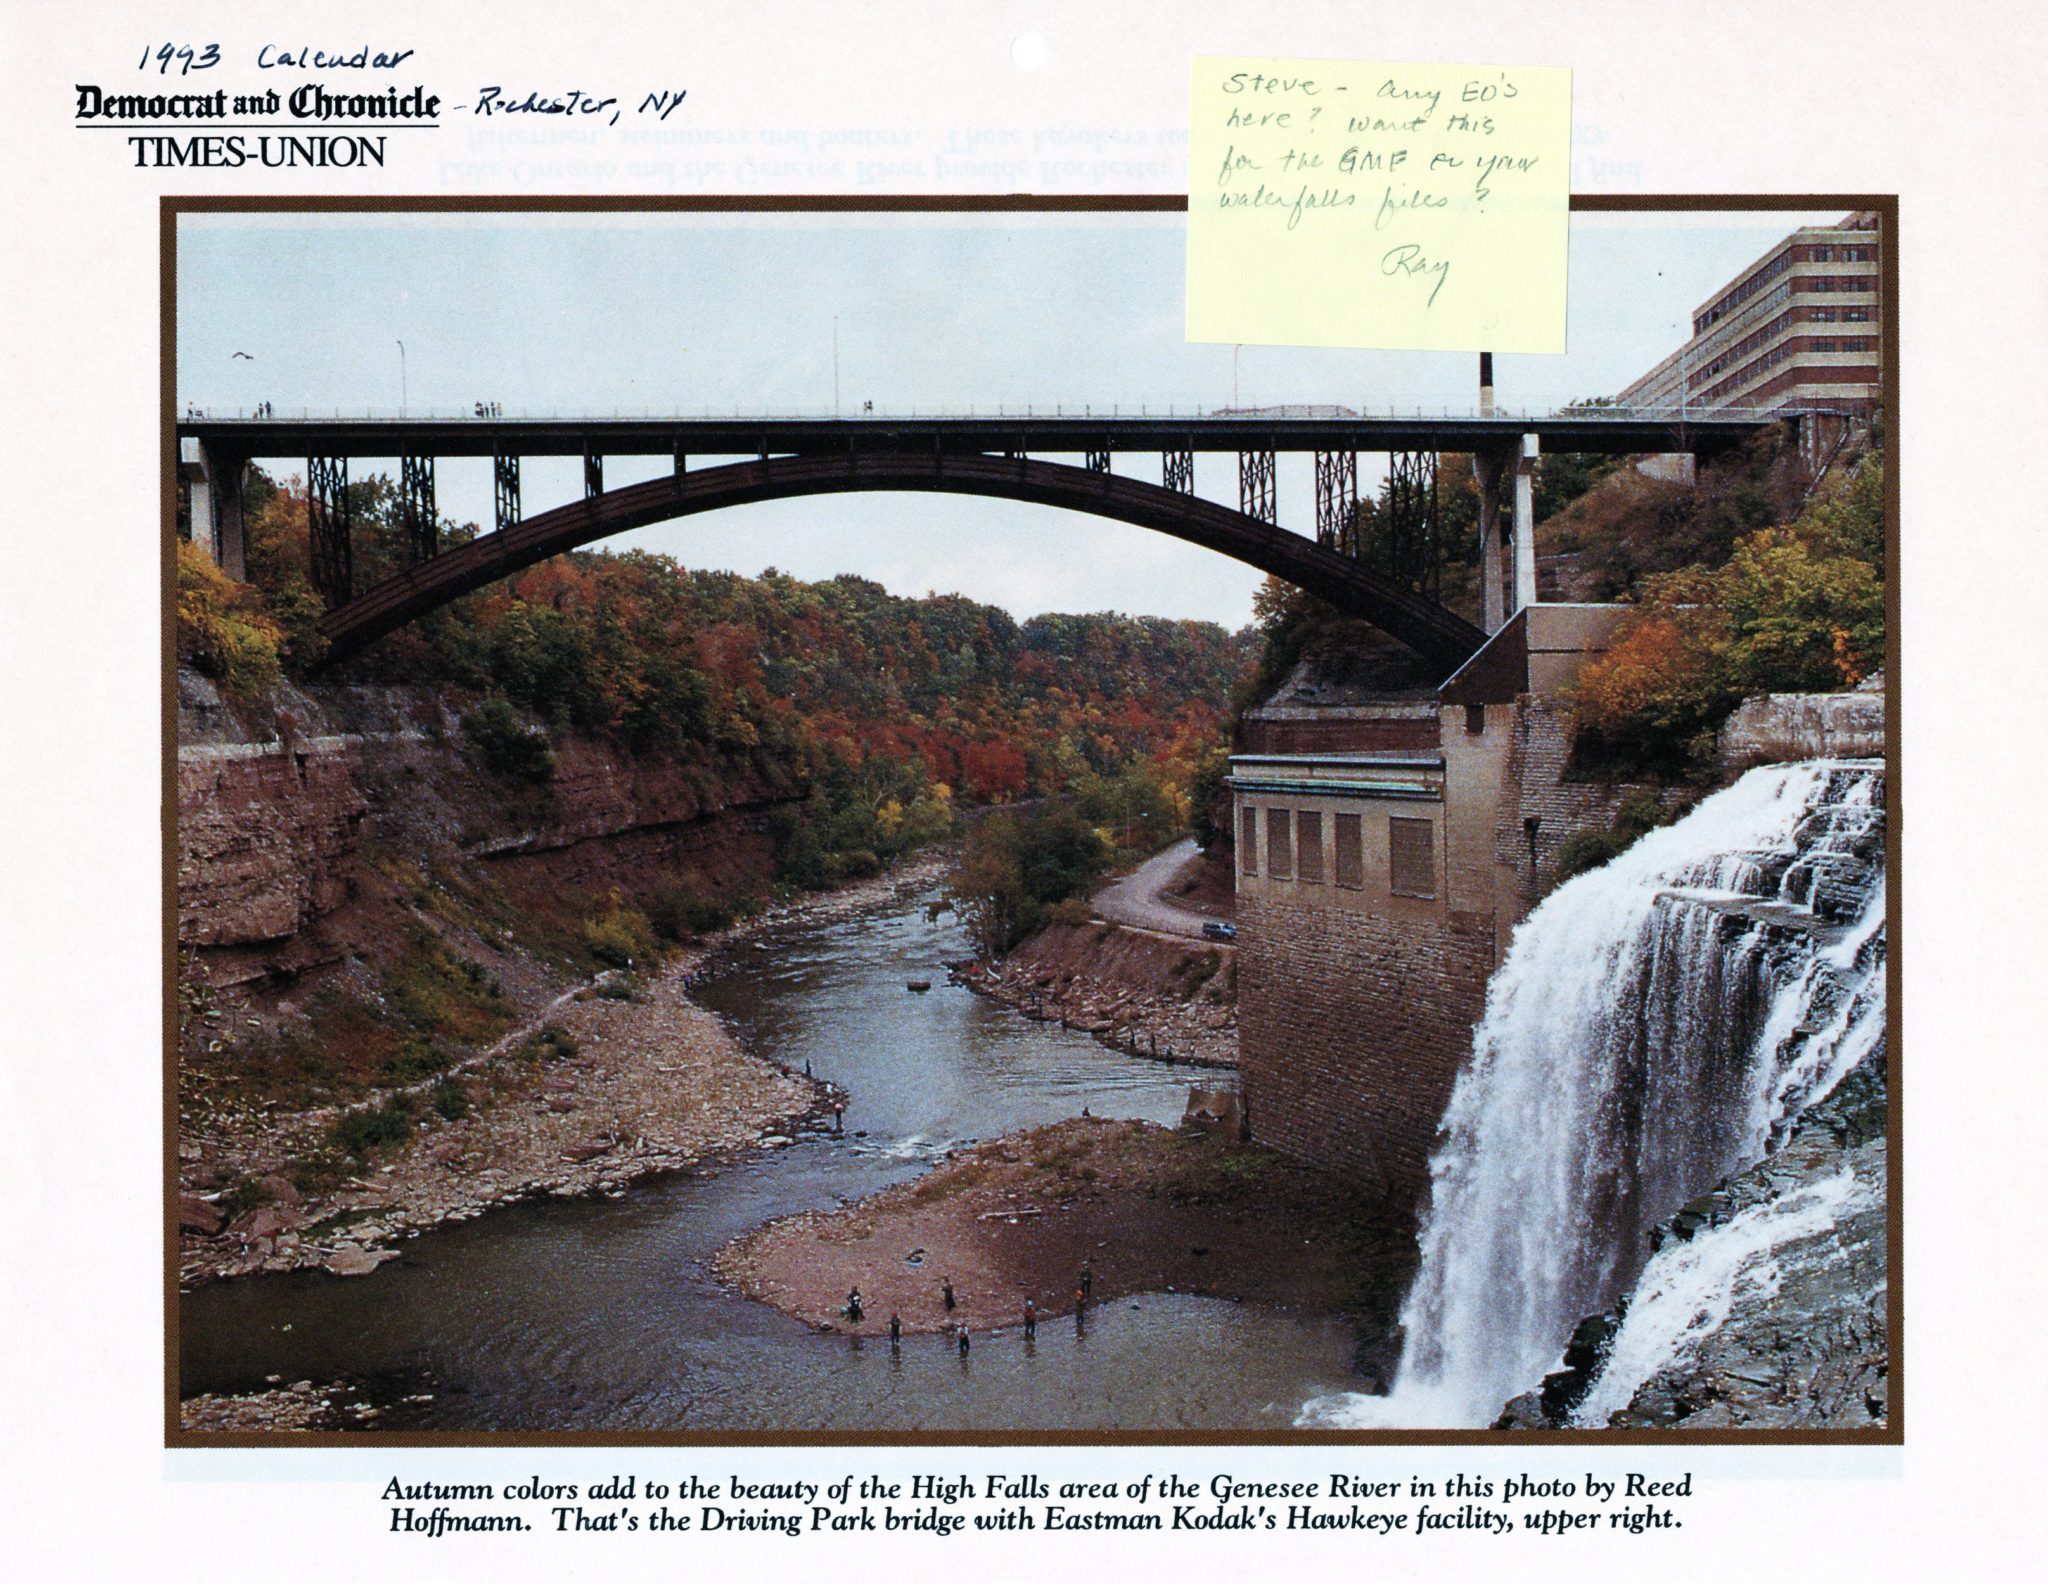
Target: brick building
x=1799, y=330
x=1386, y=849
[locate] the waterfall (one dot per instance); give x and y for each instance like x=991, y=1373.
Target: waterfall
x=1657, y=1024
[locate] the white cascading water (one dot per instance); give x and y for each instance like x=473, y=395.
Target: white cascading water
x=1657, y=1025
x=1689, y=1288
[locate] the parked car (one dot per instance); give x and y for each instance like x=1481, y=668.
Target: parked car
x=1220, y=932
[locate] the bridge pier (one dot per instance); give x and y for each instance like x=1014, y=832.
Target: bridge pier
x=1525, y=522
x=1507, y=588
x=1488, y=467
x=1336, y=496
x=213, y=477
x=504, y=490
x=1256, y=492
x=327, y=525
x=416, y=509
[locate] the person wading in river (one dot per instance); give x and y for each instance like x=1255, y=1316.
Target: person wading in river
x=963, y=1341
x=895, y=1331
x=853, y=1309
x=1030, y=1318
x=1087, y=1280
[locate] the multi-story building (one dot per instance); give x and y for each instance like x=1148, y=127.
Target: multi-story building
x=1798, y=331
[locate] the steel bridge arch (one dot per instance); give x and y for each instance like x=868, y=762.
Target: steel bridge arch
x=1436, y=634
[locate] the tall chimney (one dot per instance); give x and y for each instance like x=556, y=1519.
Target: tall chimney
x=1486, y=384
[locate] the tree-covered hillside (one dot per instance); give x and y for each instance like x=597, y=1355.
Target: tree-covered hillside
x=891, y=711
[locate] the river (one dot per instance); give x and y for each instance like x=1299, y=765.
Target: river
x=601, y=1314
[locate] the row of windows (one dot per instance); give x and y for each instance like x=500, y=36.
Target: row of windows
x=1788, y=349
x=1837, y=283
x=1855, y=313
x=1294, y=849
x=1771, y=270
x=1769, y=360
x=1746, y=345
x=1856, y=253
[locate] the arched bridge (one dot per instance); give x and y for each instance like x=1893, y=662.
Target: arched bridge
x=989, y=457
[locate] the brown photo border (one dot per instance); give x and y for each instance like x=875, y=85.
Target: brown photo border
x=171, y=206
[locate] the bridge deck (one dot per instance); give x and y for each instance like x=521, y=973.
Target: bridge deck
x=1062, y=433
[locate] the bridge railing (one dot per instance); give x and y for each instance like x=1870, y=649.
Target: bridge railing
x=1036, y=412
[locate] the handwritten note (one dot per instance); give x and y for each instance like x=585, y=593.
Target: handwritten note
x=1373, y=204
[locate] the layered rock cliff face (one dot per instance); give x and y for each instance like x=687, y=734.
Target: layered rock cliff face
x=1777, y=727
x=297, y=834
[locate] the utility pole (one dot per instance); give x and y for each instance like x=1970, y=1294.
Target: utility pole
x=401, y=379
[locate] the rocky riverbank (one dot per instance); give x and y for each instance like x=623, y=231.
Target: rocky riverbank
x=1139, y=1207
x=618, y=1080
x=1136, y=991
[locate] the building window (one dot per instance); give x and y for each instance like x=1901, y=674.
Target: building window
x=1308, y=847
x=1279, y=844
x=1350, y=838
x=1411, y=857
x=1475, y=719
x=1823, y=255
x=1821, y=315
x=1824, y=344
x=1856, y=315
x=1248, y=840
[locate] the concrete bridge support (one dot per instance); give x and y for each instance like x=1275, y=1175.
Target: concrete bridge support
x=214, y=478
x=1525, y=524
x=1488, y=467
x=1507, y=587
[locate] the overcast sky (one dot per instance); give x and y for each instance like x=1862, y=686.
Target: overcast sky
x=592, y=313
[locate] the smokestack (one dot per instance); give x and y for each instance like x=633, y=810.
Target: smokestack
x=1486, y=384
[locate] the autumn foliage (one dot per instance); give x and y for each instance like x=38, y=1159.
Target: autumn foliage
x=1794, y=609
x=223, y=628
x=883, y=715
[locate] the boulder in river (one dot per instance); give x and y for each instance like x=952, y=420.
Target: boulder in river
x=353, y=1260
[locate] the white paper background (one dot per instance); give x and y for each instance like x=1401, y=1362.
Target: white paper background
x=1940, y=106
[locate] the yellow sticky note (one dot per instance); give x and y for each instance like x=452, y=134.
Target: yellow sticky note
x=1376, y=204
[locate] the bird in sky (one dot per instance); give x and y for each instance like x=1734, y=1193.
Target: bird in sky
x=250, y=356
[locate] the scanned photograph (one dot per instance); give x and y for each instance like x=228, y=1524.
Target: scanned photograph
x=812, y=823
